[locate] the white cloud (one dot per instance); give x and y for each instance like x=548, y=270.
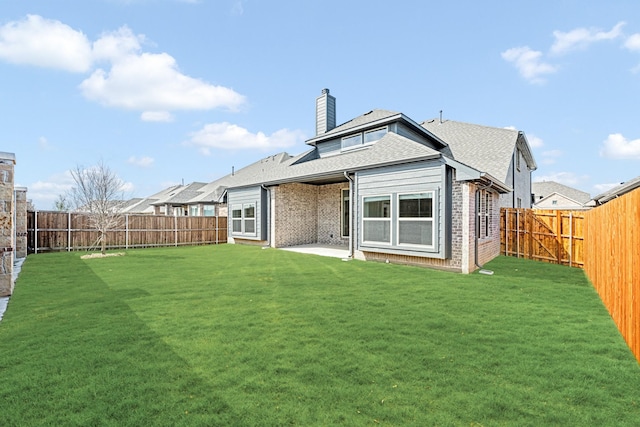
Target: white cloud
x=44, y=193
x=529, y=63
x=633, y=42
x=601, y=188
x=237, y=8
x=143, y=162
x=581, y=38
x=45, y=43
x=116, y=45
x=229, y=136
x=566, y=178
x=156, y=116
x=534, y=141
x=152, y=82
x=617, y=146
x=128, y=78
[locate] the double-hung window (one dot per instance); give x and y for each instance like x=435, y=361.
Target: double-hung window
x=249, y=218
x=415, y=219
x=236, y=218
x=376, y=219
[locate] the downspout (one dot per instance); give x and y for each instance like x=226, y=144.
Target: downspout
x=268, y=213
x=351, y=199
x=482, y=270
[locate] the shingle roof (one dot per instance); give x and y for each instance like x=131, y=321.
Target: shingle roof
x=186, y=194
x=485, y=148
x=546, y=188
x=390, y=149
x=618, y=190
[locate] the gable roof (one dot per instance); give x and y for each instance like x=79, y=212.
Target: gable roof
x=541, y=190
x=485, y=148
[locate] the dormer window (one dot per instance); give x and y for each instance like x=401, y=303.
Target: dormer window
x=372, y=136
x=361, y=139
x=352, y=141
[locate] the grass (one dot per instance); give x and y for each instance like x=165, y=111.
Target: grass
x=236, y=335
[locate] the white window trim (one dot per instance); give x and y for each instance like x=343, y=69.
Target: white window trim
x=255, y=219
x=432, y=219
x=391, y=208
x=234, y=207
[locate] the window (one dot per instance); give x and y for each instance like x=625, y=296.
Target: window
x=193, y=210
x=352, y=141
x=376, y=219
x=360, y=139
x=374, y=135
x=250, y=218
x=344, y=217
x=484, y=213
x=209, y=210
x=554, y=202
x=415, y=219
x=236, y=219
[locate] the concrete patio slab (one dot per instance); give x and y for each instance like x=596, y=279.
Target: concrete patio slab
x=322, y=250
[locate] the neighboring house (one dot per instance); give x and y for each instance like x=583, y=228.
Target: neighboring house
x=146, y=205
x=616, y=191
x=386, y=187
x=553, y=195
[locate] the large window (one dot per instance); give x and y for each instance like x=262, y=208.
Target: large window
x=415, y=219
x=376, y=219
x=243, y=219
x=345, y=214
x=193, y=210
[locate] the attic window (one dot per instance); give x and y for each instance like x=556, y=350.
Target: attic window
x=374, y=135
x=360, y=139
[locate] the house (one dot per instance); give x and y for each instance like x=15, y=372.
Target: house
x=553, y=195
x=617, y=191
x=386, y=187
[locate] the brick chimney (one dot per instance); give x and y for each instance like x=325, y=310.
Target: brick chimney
x=325, y=112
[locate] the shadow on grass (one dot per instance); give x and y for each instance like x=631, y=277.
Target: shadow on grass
x=92, y=361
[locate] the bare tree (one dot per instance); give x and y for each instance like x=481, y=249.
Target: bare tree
x=62, y=203
x=98, y=192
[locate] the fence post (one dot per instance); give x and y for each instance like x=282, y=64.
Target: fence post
x=175, y=227
x=126, y=231
x=560, y=245
x=69, y=231
x=570, y=238
x=35, y=232
x=517, y=233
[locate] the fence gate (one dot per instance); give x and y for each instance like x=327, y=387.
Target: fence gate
x=543, y=235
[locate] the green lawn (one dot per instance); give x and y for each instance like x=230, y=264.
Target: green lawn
x=237, y=335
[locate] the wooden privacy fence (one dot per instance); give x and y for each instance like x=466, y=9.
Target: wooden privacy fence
x=543, y=235
x=612, y=262
x=58, y=231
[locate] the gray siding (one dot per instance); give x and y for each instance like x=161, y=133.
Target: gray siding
x=402, y=179
x=244, y=196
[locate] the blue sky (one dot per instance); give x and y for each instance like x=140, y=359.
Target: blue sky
x=171, y=91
